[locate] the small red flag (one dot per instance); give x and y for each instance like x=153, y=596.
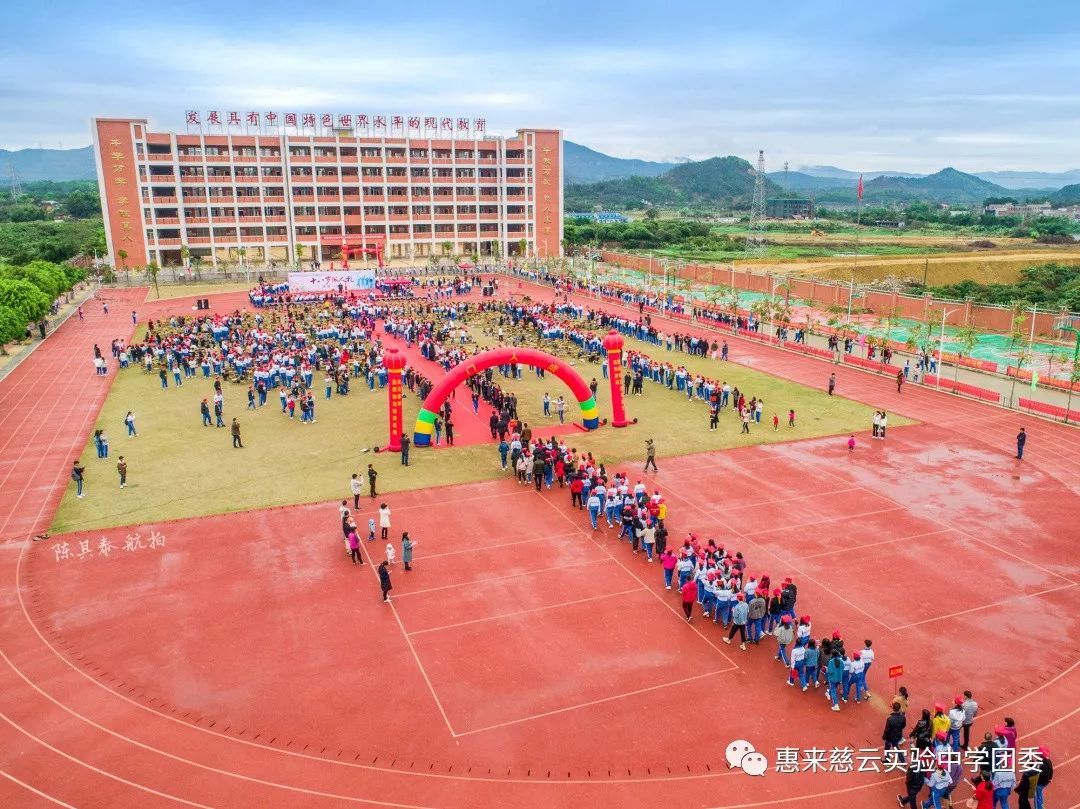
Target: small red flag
x=860, y=186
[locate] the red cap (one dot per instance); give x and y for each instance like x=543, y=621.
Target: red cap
x=1044, y=752
x=958, y=700
x=740, y=596
x=786, y=619
x=941, y=735
x=857, y=656
x=787, y=580
x=776, y=592
x=939, y=706
x=836, y=634
x=806, y=618
x=1000, y=730
x=711, y=575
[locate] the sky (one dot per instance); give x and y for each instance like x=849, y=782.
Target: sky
x=903, y=86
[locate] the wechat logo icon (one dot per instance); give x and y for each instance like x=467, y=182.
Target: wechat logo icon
x=741, y=755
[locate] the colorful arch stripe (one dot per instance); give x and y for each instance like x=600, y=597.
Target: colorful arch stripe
x=424, y=429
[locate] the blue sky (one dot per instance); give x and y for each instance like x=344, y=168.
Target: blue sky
x=870, y=86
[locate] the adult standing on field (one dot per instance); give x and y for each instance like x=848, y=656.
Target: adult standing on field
x=235, y=429
x=384, y=581
x=650, y=455
x=77, y=473
x=384, y=520
x=371, y=476
x=832, y=383
x=1021, y=440
x=355, y=487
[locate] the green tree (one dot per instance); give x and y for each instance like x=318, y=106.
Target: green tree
x=968, y=337
x=447, y=248
x=24, y=298
x=652, y=214
x=152, y=271
x=12, y=327
x=121, y=257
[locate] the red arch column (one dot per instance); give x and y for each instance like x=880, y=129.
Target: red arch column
x=394, y=362
x=613, y=344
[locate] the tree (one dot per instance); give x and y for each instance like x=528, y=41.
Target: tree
x=652, y=214
x=523, y=246
x=22, y=297
x=152, y=271
x=12, y=327
x=447, y=248
x=496, y=251
x=1016, y=323
x=185, y=254
x=968, y=338
x=121, y=256
x=1021, y=357
x=1074, y=377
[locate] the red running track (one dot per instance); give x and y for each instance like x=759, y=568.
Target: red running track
x=528, y=661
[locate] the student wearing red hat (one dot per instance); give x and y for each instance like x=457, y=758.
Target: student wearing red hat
x=784, y=636
x=854, y=668
x=738, y=620
x=956, y=721
x=772, y=619
x=939, y=722
x=689, y=598
x=1046, y=775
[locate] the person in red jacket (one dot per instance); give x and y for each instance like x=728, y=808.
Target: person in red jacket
x=689, y=597
x=576, y=487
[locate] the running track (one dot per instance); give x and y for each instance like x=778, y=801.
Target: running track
x=130, y=756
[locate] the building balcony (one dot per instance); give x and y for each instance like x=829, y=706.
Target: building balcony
x=487, y=180
x=159, y=157
x=190, y=158
x=167, y=242
x=159, y=179
x=370, y=219
x=198, y=240
x=165, y=200
x=216, y=158
x=245, y=158
x=488, y=161
x=221, y=220
x=192, y=178
x=465, y=198
x=371, y=160
x=197, y=220
x=352, y=219
x=230, y=200
x=515, y=161
x=444, y=217
x=274, y=220
x=243, y=179
x=397, y=198
x=304, y=219
x=516, y=217
x=295, y=158
x=400, y=236
x=168, y=220
x=253, y=239
x=273, y=198
x=399, y=217
x=328, y=198
x=326, y=158
x=301, y=178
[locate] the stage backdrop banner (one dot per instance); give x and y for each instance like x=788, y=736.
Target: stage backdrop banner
x=330, y=281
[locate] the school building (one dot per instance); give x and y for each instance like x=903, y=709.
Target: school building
x=291, y=199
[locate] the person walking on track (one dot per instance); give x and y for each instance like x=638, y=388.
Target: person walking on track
x=384, y=581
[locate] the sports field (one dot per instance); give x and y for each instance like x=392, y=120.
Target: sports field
x=239, y=659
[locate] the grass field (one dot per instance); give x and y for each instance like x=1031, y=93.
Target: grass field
x=178, y=468
x=171, y=291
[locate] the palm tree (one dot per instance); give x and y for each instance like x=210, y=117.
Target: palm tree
x=968, y=337
x=1074, y=377
x=185, y=253
x=152, y=270
x=447, y=248
x=1021, y=357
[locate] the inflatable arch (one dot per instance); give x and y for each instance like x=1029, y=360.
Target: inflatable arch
x=425, y=420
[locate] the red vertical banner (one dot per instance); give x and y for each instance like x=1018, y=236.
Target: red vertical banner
x=394, y=362
x=613, y=344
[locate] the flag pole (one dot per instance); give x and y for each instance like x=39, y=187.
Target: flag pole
x=858, y=222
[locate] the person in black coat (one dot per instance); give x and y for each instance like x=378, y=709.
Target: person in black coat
x=384, y=580
x=894, y=729
x=913, y=783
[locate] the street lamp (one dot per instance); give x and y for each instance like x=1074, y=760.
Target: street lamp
x=941, y=343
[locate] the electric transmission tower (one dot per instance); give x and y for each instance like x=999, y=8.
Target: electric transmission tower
x=16, y=188
x=755, y=238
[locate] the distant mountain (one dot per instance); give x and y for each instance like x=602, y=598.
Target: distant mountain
x=48, y=164
x=947, y=185
x=718, y=181
x=584, y=165
x=1069, y=195
x=834, y=173
x=800, y=182
x=1026, y=180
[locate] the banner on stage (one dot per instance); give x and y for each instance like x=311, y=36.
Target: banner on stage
x=330, y=281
